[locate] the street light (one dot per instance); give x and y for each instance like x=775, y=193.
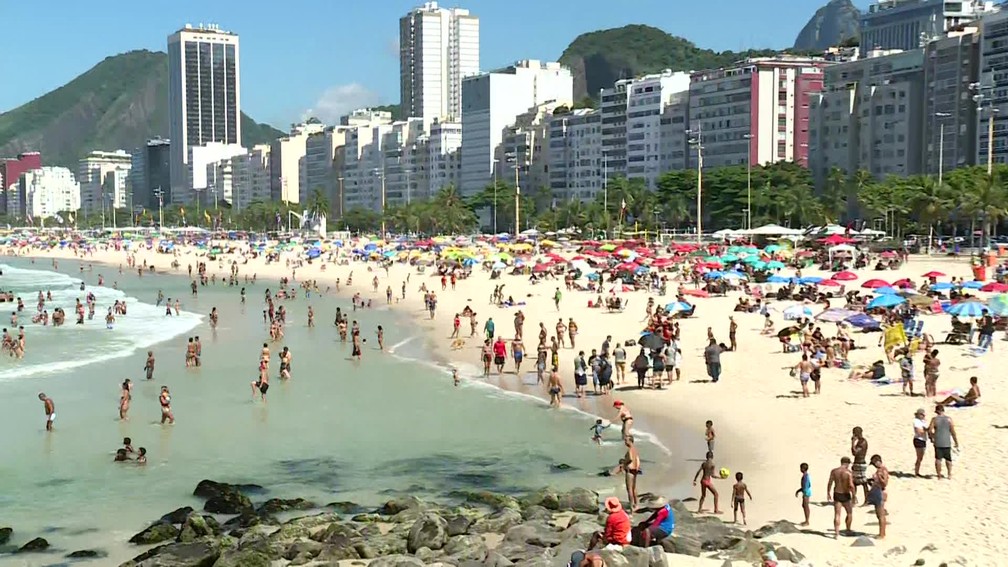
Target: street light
x=340, y=179
x=749, y=138
x=697, y=140
x=605, y=188
x=381, y=174
x=941, y=164
x=980, y=97
x=160, y=207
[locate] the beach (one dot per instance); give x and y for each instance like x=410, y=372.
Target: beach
x=764, y=428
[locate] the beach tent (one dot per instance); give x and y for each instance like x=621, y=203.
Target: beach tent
x=772, y=230
x=840, y=249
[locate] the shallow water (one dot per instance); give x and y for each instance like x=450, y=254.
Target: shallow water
x=336, y=431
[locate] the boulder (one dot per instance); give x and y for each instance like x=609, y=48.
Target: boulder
x=491, y=499
x=336, y=534
x=86, y=554
x=396, y=505
x=578, y=500
x=517, y=552
x=499, y=522
x=37, y=544
x=176, y=516
x=545, y=497
x=778, y=527
x=396, y=561
x=368, y=518
x=247, y=519
x=536, y=513
x=210, y=488
x=614, y=558
x=346, y=508
x=243, y=558
x=466, y=548
x=682, y=545
x=430, y=531
x=657, y=557
x=746, y=549
x=788, y=554
x=380, y=546
x=228, y=502
x=197, y=526
x=863, y=541
x=195, y=554
x=156, y=533
x=425, y=554
x=5, y=534
x=459, y=525
x=495, y=559
x=275, y=505
x=308, y=548
x=533, y=533
x=335, y=553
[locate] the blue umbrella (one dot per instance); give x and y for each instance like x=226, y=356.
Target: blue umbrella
x=779, y=279
x=714, y=275
x=942, y=286
x=863, y=321
x=592, y=276
x=775, y=265
x=809, y=279
x=733, y=274
x=677, y=306
x=973, y=285
x=886, y=300
x=967, y=309
x=888, y=290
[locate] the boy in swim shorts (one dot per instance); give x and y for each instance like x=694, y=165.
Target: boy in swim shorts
x=805, y=491
x=739, y=492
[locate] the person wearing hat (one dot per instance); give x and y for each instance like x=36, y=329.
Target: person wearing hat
x=920, y=428
x=617, y=526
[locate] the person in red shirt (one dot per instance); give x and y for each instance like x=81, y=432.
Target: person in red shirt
x=617, y=526
x=500, y=354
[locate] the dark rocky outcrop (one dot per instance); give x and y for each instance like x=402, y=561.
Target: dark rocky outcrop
x=834, y=23
x=156, y=533
x=5, y=535
x=195, y=554
x=430, y=531
x=86, y=554
x=37, y=544
x=276, y=505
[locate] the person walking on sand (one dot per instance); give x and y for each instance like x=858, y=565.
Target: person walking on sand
x=840, y=492
x=804, y=370
x=877, y=495
x=931, y=369
x=556, y=299
x=805, y=491
x=500, y=354
x=709, y=436
x=739, y=492
x=920, y=429
x=629, y=465
x=732, y=329
x=859, y=470
x=943, y=435
x=712, y=357
x=555, y=388
x=561, y=332
x=50, y=410
x=706, y=483
x=518, y=353
x=572, y=331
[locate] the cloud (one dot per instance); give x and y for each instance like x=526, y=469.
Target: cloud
x=340, y=100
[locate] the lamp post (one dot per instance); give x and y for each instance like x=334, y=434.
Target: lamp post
x=749, y=138
x=517, y=198
x=697, y=140
x=985, y=93
x=340, y=180
x=605, y=189
x=160, y=207
x=380, y=173
x=941, y=165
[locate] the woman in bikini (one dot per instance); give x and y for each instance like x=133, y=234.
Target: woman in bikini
x=625, y=416
x=166, y=411
x=124, y=399
x=487, y=357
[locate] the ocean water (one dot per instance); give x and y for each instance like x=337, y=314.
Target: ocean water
x=337, y=431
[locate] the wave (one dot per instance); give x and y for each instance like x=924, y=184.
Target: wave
x=73, y=346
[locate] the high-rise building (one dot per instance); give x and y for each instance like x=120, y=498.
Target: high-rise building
x=613, y=105
x=674, y=140
x=443, y=156
x=93, y=170
x=990, y=89
x=48, y=191
x=438, y=47
x=286, y=159
x=575, y=154
x=910, y=24
x=204, y=175
x=951, y=65
x=647, y=98
x=318, y=171
x=150, y=174
x=204, y=96
x=756, y=111
x=491, y=102
x=10, y=176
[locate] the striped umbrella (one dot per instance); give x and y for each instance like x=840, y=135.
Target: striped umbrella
x=967, y=309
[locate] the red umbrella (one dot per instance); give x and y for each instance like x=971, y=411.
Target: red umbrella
x=903, y=283
x=836, y=239
x=539, y=268
x=934, y=274
x=874, y=283
x=696, y=292
x=829, y=283
x=995, y=287
x=578, y=257
x=888, y=254
x=845, y=276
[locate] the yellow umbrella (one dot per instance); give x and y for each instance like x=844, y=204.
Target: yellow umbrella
x=548, y=243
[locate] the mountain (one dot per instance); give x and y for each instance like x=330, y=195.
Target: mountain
x=599, y=58
x=119, y=103
x=836, y=22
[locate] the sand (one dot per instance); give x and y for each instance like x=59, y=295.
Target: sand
x=763, y=429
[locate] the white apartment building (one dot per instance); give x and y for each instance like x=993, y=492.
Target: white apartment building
x=613, y=105
x=204, y=95
x=317, y=171
x=99, y=190
x=993, y=87
x=438, y=47
x=201, y=186
x=756, y=111
x=869, y=116
x=381, y=163
x=286, y=155
x=673, y=140
x=911, y=24
x=250, y=174
x=647, y=98
x=444, y=144
x=492, y=101
x=366, y=117
x=48, y=191
x=524, y=150
x=951, y=65
x=575, y=155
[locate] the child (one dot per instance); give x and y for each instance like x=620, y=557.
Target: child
x=739, y=492
x=805, y=491
x=709, y=435
x=907, y=372
x=128, y=444
x=597, y=430
x=455, y=376
x=142, y=456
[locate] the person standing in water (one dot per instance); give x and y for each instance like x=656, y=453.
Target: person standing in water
x=124, y=399
x=311, y=317
x=149, y=366
x=50, y=410
x=381, y=337
x=166, y=411
x=629, y=465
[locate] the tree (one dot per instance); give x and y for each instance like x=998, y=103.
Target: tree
x=318, y=203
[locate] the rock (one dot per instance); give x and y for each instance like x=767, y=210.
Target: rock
x=210, y=488
x=424, y=554
x=929, y=547
x=396, y=561
x=459, y=525
x=497, y=523
x=5, y=534
x=495, y=559
x=346, y=508
x=195, y=554
x=778, y=527
x=518, y=552
x=197, y=526
x=466, y=548
x=229, y=502
x=430, y=531
x=533, y=533
x=37, y=544
x=545, y=497
x=682, y=545
x=492, y=499
x=788, y=554
x=86, y=554
x=614, y=558
x=367, y=518
x=562, y=467
x=380, y=546
x=745, y=549
x=243, y=558
x=892, y=552
x=536, y=513
x=156, y=533
x=308, y=548
x=274, y=505
x=177, y=516
x=247, y=519
x=919, y=562
x=334, y=553
x=578, y=500
x=863, y=541
x=396, y=505
x=657, y=557
x=337, y=534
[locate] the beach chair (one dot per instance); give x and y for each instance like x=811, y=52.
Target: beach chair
x=918, y=331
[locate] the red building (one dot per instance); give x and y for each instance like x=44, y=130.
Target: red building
x=11, y=170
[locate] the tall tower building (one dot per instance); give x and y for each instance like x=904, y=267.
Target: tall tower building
x=204, y=95
x=438, y=47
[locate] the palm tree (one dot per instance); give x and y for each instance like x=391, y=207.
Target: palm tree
x=928, y=202
x=318, y=203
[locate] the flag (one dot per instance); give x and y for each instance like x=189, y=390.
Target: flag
x=623, y=205
x=206, y=215
x=71, y=217
x=181, y=211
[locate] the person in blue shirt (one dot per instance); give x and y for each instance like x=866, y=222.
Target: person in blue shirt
x=805, y=491
x=658, y=526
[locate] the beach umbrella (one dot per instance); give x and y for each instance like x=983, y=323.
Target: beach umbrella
x=886, y=290
x=809, y=279
x=903, y=283
x=678, y=306
x=918, y=300
x=498, y=265
x=733, y=275
x=712, y=259
x=863, y=321
x=888, y=254
x=998, y=305
x=797, y=311
x=973, y=285
x=779, y=279
x=773, y=248
x=836, y=314
x=759, y=265
x=775, y=265
x=788, y=331
x=729, y=258
x=713, y=275
x=874, y=283
x=592, y=276
x=844, y=276
x=934, y=274
x=995, y=287
x=829, y=283
x=942, y=286
x=886, y=300
x=967, y=309
x=651, y=341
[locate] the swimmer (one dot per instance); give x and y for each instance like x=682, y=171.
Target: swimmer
x=50, y=410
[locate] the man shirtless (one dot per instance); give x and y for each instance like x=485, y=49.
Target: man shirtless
x=843, y=497
x=50, y=410
x=555, y=388
x=629, y=465
x=707, y=483
x=804, y=370
x=149, y=367
x=877, y=496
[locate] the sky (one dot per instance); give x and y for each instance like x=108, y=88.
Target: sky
x=323, y=58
